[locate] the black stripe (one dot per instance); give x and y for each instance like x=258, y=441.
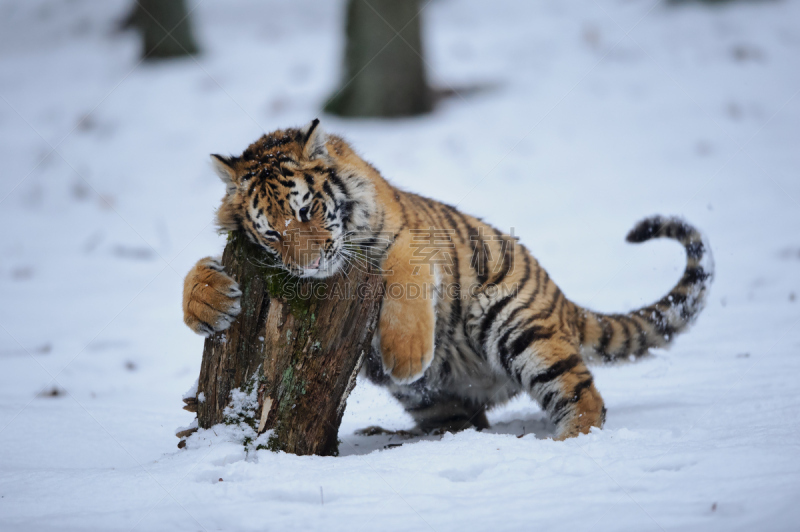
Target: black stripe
x=487, y=247
x=560, y=411
x=347, y=211
x=605, y=339
x=445, y=369
x=563, y=307
x=326, y=186
x=498, y=306
x=425, y=404
x=314, y=124
x=530, y=335
x=575, y=318
x=489, y=317
x=556, y=370
x=558, y=296
x=503, y=350
x=266, y=142
x=403, y=211
x=531, y=298
x=483, y=252
x=641, y=336
x=694, y=275
x=680, y=231
x=455, y=308
x=581, y=324
x=583, y=385
x=660, y=322
x=645, y=230
x=422, y=204
x=626, y=345
x=695, y=250
x=507, y=248
x=252, y=187
x=474, y=241
x=546, y=399
x=446, y=213
x=423, y=217
x=334, y=177
x=460, y=227
x=672, y=299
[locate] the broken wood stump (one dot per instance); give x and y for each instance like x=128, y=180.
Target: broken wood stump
x=289, y=361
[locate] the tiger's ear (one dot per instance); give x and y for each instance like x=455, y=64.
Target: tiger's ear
x=223, y=166
x=314, y=140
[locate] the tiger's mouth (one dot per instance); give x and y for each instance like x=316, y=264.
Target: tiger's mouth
x=326, y=264
x=322, y=267
x=317, y=268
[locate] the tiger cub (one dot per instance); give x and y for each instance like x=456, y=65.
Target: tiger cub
x=469, y=318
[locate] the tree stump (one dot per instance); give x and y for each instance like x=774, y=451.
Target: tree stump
x=294, y=350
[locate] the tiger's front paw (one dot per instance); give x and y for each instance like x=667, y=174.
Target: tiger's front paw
x=210, y=298
x=407, y=339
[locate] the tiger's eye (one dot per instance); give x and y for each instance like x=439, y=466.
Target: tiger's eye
x=304, y=214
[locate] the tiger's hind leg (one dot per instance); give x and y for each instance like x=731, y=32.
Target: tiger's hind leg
x=435, y=416
x=433, y=412
x=448, y=414
x=552, y=371
x=439, y=412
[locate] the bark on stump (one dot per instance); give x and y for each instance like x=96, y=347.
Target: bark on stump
x=298, y=343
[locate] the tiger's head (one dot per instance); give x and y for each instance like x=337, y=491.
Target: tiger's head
x=300, y=194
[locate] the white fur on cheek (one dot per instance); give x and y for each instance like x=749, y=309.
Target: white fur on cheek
x=260, y=221
x=296, y=201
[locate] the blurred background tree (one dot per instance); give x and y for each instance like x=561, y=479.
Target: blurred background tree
x=384, y=71
x=165, y=27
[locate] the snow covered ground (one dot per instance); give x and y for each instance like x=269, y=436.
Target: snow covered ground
x=598, y=113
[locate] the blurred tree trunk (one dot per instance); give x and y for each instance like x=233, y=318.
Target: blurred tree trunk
x=384, y=71
x=165, y=27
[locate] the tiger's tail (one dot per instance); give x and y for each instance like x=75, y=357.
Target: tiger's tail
x=616, y=337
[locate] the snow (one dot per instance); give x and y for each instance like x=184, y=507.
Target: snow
x=192, y=391
x=591, y=116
